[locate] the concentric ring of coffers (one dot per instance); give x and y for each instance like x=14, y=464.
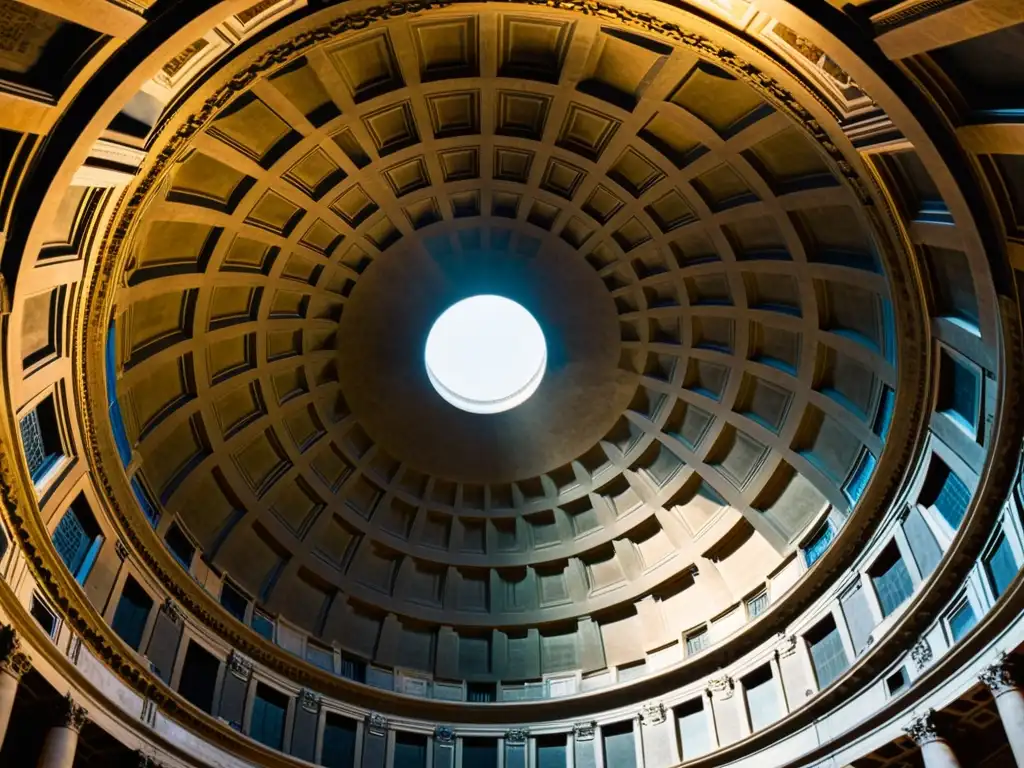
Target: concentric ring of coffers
x=760, y=389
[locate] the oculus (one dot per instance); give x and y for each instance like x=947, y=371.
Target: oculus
x=486, y=354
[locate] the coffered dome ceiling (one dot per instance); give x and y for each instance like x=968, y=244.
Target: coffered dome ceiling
x=721, y=343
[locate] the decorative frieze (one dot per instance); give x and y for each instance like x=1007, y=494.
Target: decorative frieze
x=998, y=676
x=121, y=550
x=516, y=737
x=444, y=735
x=921, y=653
x=653, y=713
x=584, y=731
x=377, y=724
x=923, y=729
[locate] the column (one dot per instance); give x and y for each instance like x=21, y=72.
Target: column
x=13, y=664
x=1000, y=680
x=62, y=739
x=935, y=750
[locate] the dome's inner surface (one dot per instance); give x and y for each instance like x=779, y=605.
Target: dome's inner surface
x=511, y=384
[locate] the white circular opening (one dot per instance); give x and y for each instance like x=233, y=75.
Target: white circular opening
x=486, y=354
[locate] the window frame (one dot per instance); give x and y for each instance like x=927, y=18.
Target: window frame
x=872, y=579
x=701, y=631
x=84, y=568
x=150, y=615
x=753, y=598
x=954, y=357
x=1000, y=535
x=958, y=603
x=50, y=478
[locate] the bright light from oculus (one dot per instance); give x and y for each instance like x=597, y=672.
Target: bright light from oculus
x=486, y=354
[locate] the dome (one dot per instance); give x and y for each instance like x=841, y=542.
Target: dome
x=463, y=381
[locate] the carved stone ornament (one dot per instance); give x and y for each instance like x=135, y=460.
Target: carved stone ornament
x=998, y=676
x=142, y=760
x=723, y=686
x=444, y=735
x=12, y=660
x=786, y=646
x=653, y=713
x=309, y=700
x=239, y=666
x=172, y=610
x=923, y=729
x=516, y=737
x=921, y=653
x=584, y=731
x=121, y=550
x=70, y=715
x=377, y=724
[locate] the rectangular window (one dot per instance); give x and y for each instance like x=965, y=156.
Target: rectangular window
x=551, y=751
x=897, y=681
x=234, y=601
x=696, y=641
x=1000, y=565
x=762, y=699
x=756, y=605
x=180, y=545
x=891, y=579
x=263, y=625
x=77, y=539
x=827, y=654
x=41, y=438
x=883, y=417
x=132, y=613
x=199, y=676
x=961, y=619
x=481, y=692
x=269, y=708
x=818, y=543
x=619, y=750
x=923, y=546
x=339, y=749
x=694, y=738
x=411, y=750
x=44, y=616
x=859, y=479
x=319, y=656
x=353, y=668
x=479, y=753
x=145, y=499
x=958, y=392
x=946, y=492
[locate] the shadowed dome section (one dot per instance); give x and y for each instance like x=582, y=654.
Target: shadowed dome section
x=485, y=354
x=721, y=356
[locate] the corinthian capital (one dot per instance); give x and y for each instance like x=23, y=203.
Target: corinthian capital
x=71, y=715
x=12, y=660
x=998, y=676
x=923, y=729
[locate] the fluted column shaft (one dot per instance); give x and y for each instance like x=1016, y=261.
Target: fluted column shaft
x=1009, y=699
x=59, y=748
x=62, y=739
x=13, y=664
